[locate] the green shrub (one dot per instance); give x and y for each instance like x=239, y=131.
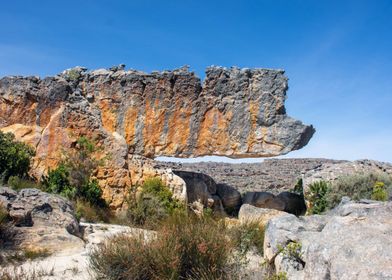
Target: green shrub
x=292, y=250
x=17, y=183
x=379, y=192
x=248, y=236
x=153, y=204
x=299, y=187
x=154, y=187
x=317, y=197
x=73, y=176
x=15, y=157
x=185, y=247
x=357, y=186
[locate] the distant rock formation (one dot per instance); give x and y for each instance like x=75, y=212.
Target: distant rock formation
x=278, y=175
x=135, y=116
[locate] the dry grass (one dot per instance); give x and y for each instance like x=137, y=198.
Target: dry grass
x=19, y=273
x=185, y=247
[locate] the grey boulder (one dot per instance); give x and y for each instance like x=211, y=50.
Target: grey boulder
x=351, y=242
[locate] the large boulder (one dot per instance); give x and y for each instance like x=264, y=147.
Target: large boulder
x=41, y=219
x=294, y=203
x=352, y=241
x=200, y=187
x=249, y=214
x=264, y=200
x=231, y=198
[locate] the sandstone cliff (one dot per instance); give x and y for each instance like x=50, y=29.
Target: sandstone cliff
x=137, y=116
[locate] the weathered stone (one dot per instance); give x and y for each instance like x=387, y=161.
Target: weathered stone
x=294, y=203
x=200, y=187
x=249, y=213
x=134, y=116
x=350, y=242
x=264, y=200
x=231, y=198
x=41, y=218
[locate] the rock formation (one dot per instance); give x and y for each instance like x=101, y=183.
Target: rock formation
x=353, y=241
x=135, y=116
x=41, y=219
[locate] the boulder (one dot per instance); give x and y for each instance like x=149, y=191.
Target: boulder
x=294, y=203
x=200, y=187
x=231, y=198
x=41, y=219
x=249, y=213
x=264, y=200
x=352, y=241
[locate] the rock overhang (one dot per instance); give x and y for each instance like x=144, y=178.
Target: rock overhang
x=137, y=116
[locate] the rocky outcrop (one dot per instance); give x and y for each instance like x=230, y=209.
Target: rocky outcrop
x=249, y=214
x=41, y=219
x=135, y=116
x=353, y=241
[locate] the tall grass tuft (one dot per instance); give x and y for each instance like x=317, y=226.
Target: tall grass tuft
x=185, y=246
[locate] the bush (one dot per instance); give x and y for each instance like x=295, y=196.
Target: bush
x=73, y=176
x=379, y=192
x=15, y=157
x=317, y=197
x=184, y=248
x=358, y=186
x=248, y=236
x=293, y=250
x=154, y=203
x=299, y=187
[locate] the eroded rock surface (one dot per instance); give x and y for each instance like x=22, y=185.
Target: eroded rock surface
x=41, y=219
x=135, y=116
x=353, y=241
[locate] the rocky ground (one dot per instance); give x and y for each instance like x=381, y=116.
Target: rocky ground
x=353, y=241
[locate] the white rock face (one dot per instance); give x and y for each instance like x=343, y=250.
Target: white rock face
x=353, y=241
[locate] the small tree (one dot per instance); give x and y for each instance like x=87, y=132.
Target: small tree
x=15, y=157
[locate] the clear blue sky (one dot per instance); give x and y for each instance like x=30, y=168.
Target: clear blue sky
x=337, y=54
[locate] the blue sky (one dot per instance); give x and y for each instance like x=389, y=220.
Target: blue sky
x=337, y=54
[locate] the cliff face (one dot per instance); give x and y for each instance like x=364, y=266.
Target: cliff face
x=136, y=116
